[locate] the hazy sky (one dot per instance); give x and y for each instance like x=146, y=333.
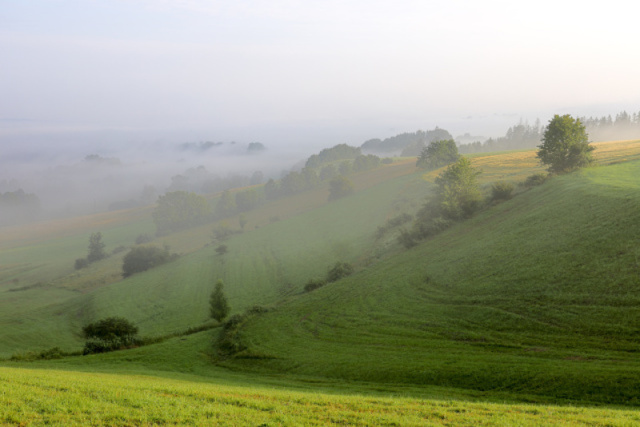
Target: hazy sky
x=306, y=70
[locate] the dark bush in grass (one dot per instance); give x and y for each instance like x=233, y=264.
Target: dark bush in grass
x=111, y=333
x=535, y=179
x=229, y=339
x=142, y=258
x=96, y=248
x=81, y=263
x=501, y=190
x=392, y=223
x=312, y=285
x=338, y=271
x=49, y=354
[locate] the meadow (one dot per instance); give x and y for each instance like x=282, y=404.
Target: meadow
x=515, y=316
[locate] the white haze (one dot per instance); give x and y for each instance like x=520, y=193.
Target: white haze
x=133, y=79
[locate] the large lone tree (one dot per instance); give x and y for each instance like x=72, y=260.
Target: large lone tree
x=565, y=145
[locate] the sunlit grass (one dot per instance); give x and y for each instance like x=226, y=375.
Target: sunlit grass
x=29, y=396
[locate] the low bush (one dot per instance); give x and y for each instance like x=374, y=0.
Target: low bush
x=312, y=285
x=109, y=334
x=501, y=190
x=142, y=258
x=81, y=263
x=338, y=271
x=536, y=179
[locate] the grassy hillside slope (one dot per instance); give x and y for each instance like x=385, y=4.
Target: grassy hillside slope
x=175, y=382
x=285, y=243
x=539, y=294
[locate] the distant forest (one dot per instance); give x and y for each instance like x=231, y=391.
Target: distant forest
x=523, y=135
x=520, y=136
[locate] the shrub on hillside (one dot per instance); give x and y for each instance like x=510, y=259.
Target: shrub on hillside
x=501, y=190
x=392, y=223
x=312, y=285
x=96, y=248
x=142, y=258
x=111, y=333
x=338, y=271
x=81, y=263
x=340, y=187
x=535, y=179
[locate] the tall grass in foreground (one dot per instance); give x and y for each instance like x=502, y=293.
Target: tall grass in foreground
x=70, y=398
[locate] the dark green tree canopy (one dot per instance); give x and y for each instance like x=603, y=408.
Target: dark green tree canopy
x=340, y=187
x=96, y=248
x=218, y=305
x=438, y=154
x=565, y=145
x=110, y=329
x=458, y=194
x=142, y=258
x=178, y=210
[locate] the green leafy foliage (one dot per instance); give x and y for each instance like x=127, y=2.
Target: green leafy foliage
x=179, y=210
x=565, y=145
x=111, y=333
x=218, y=305
x=438, y=154
x=81, y=263
x=501, y=190
x=535, y=179
x=329, y=155
x=340, y=186
x=338, y=271
x=142, y=258
x=458, y=193
x=312, y=285
x=96, y=248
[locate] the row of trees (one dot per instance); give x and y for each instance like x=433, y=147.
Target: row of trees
x=524, y=135
x=178, y=210
x=408, y=143
x=565, y=147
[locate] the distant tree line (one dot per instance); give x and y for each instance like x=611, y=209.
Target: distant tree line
x=520, y=136
x=523, y=135
x=180, y=209
x=18, y=206
x=407, y=144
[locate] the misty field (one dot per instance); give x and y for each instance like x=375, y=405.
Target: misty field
x=518, y=304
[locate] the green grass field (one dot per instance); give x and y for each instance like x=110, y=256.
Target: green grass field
x=534, y=300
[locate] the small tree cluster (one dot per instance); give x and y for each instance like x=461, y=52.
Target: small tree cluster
x=142, y=258
x=111, y=333
x=340, y=187
x=501, y=190
x=457, y=196
x=96, y=251
x=335, y=273
x=178, y=210
x=392, y=223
